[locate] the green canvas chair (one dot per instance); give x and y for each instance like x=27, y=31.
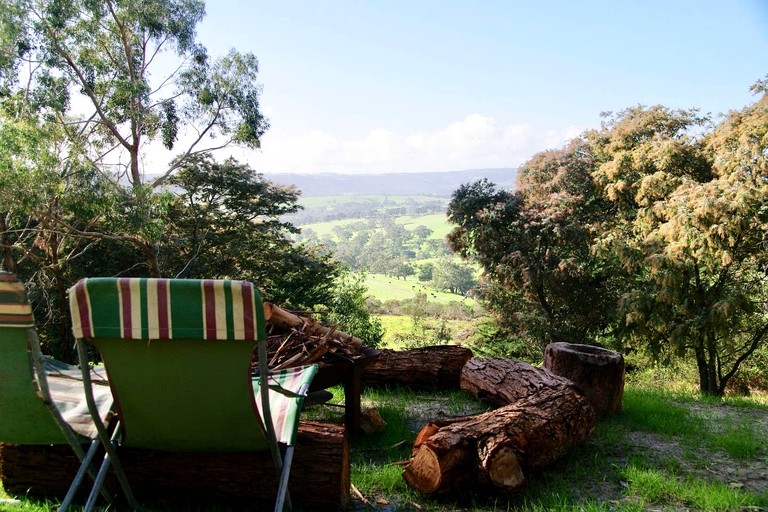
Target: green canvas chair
x=178, y=356
x=42, y=400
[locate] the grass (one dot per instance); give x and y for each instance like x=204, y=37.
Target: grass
x=666, y=450
x=657, y=454
x=654, y=486
x=437, y=222
x=386, y=288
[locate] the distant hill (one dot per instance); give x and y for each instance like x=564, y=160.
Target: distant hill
x=437, y=184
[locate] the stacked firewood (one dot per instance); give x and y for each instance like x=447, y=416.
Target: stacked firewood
x=295, y=339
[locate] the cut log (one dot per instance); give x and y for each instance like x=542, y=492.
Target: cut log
x=596, y=370
x=505, y=381
x=426, y=368
x=319, y=475
x=500, y=447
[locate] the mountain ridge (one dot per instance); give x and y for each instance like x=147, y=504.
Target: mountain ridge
x=436, y=184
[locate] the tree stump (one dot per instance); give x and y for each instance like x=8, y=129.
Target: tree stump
x=596, y=370
x=499, y=447
x=505, y=381
x=426, y=368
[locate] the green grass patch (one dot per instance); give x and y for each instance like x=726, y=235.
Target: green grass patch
x=437, y=222
x=387, y=288
x=399, y=327
x=653, y=411
x=660, y=412
x=657, y=454
x=655, y=487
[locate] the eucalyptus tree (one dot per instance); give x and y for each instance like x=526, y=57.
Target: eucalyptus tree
x=133, y=93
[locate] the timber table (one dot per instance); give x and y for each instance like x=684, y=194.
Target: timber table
x=348, y=373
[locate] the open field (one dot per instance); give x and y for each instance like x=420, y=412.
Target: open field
x=374, y=199
x=386, y=288
x=437, y=222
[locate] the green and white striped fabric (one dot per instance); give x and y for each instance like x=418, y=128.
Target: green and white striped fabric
x=285, y=410
x=140, y=308
x=18, y=388
x=171, y=309
x=15, y=310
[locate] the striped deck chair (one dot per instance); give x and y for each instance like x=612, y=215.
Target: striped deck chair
x=42, y=400
x=178, y=356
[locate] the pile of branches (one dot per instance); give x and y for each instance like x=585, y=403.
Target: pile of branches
x=295, y=339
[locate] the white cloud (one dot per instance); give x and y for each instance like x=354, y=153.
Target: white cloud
x=476, y=141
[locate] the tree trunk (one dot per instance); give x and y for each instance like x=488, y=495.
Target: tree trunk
x=500, y=447
x=319, y=475
x=597, y=371
x=421, y=369
x=505, y=381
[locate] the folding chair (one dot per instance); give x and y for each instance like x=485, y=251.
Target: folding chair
x=42, y=400
x=178, y=356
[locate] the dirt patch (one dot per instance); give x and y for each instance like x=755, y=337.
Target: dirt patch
x=750, y=474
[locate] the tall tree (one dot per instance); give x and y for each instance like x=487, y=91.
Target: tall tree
x=700, y=250
x=651, y=231
x=534, y=246
x=94, y=69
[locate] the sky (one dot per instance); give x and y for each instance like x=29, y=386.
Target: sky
x=429, y=86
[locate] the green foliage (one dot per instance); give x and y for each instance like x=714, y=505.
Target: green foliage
x=698, y=224
x=453, y=276
x=534, y=246
x=75, y=196
x=426, y=271
x=648, y=233
x=225, y=222
x=348, y=309
x=102, y=57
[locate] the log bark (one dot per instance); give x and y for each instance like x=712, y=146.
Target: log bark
x=319, y=475
x=505, y=381
x=596, y=370
x=426, y=368
x=500, y=447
